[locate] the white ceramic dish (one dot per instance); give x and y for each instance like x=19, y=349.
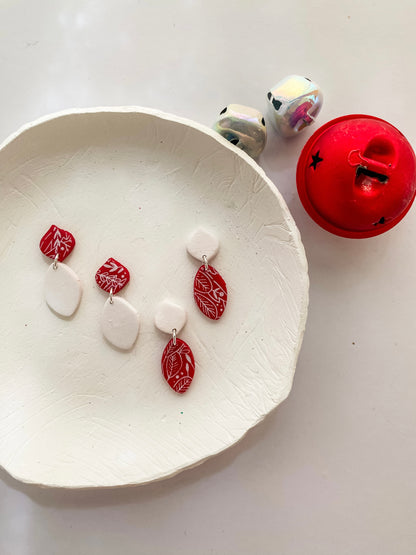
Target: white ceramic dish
x=133, y=183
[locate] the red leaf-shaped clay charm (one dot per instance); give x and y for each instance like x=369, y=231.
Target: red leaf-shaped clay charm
x=210, y=292
x=57, y=241
x=112, y=275
x=178, y=365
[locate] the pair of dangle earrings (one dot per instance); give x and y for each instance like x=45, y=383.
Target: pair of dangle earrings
x=119, y=320
x=210, y=294
x=63, y=291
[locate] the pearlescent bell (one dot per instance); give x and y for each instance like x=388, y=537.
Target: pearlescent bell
x=293, y=104
x=244, y=127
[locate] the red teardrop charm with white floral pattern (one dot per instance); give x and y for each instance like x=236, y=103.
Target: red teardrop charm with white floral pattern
x=112, y=276
x=178, y=365
x=210, y=292
x=57, y=242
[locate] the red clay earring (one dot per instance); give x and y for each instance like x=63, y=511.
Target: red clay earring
x=178, y=363
x=210, y=289
x=119, y=320
x=62, y=286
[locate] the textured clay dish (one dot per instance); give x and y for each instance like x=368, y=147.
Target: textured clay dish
x=134, y=183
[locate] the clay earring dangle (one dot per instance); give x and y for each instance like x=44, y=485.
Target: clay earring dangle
x=119, y=319
x=178, y=363
x=210, y=289
x=62, y=285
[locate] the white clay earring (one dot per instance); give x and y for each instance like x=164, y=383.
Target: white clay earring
x=178, y=363
x=62, y=285
x=119, y=320
x=210, y=289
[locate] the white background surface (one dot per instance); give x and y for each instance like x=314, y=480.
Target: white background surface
x=332, y=471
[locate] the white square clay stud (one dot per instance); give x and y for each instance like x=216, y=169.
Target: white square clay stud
x=170, y=316
x=202, y=243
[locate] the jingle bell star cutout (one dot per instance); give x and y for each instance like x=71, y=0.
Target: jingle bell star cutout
x=315, y=160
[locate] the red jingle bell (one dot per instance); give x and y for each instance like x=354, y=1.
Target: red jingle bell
x=356, y=176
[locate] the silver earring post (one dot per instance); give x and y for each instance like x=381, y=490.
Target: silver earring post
x=174, y=336
x=205, y=261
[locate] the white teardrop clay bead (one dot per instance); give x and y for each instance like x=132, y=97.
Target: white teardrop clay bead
x=120, y=323
x=62, y=289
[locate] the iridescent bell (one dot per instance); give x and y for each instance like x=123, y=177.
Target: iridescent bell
x=293, y=104
x=244, y=127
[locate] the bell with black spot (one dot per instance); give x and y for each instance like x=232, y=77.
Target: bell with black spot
x=293, y=104
x=244, y=127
